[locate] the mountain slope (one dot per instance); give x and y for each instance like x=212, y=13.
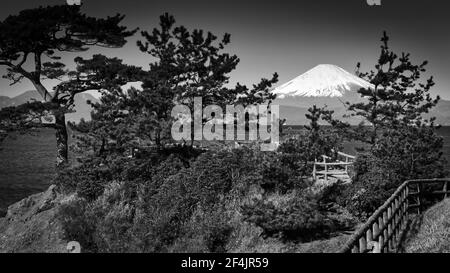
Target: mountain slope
x=82, y=109
x=324, y=80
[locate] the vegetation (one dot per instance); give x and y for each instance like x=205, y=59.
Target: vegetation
x=36, y=36
x=141, y=205
x=187, y=64
x=173, y=197
x=402, y=144
x=432, y=231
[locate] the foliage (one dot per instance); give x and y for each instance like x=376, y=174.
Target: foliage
x=430, y=234
x=292, y=217
x=301, y=150
x=33, y=39
x=186, y=65
x=372, y=185
x=77, y=226
x=400, y=155
x=191, y=64
x=160, y=198
x=177, y=205
x=299, y=216
x=402, y=144
x=397, y=98
x=24, y=118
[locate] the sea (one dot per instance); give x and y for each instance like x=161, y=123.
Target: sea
x=27, y=164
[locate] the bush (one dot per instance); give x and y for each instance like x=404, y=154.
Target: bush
x=173, y=205
x=401, y=154
x=77, y=226
x=372, y=185
x=294, y=217
x=205, y=231
x=89, y=179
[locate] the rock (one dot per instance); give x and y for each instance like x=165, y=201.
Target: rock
x=32, y=225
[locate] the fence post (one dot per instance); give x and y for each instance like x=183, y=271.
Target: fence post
x=386, y=232
x=369, y=236
x=419, y=198
x=381, y=233
x=407, y=204
x=315, y=170
x=445, y=189
x=400, y=214
x=390, y=227
x=375, y=230
x=362, y=244
x=396, y=219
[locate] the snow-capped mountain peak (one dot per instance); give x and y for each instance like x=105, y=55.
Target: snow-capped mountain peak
x=324, y=80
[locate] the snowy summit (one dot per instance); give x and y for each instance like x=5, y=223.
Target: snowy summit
x=324, y=80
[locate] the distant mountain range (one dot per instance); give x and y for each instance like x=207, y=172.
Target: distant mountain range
x=331, y=85
x=82, y=109
x=325, y=84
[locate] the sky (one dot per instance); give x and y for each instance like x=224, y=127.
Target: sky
x=287, y=37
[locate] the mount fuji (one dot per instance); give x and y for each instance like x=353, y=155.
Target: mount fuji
x=330, y=85
x=325, y=84
x=324, y=80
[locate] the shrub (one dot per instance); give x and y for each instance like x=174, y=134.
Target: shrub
x=400, y=154
x=205, y=231
x=294, y=217
x=170, y=205
x=77, y=225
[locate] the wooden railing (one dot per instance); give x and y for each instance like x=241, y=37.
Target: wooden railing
x=384, y=230
x=339, y=167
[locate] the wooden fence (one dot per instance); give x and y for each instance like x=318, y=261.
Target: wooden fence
x=384, y=230
x=339, y=168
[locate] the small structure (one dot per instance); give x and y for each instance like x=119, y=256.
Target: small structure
x=339, y=169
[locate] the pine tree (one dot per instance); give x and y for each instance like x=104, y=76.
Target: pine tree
x=187, y=65
x=401, y=144
x=397, y=98
x=193, y=64
x=111, y=117
x=35, y=37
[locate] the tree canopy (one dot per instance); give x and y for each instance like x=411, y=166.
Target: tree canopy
x=185, y=64
x=31, y=44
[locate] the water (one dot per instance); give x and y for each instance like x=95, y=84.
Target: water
x=27, y=164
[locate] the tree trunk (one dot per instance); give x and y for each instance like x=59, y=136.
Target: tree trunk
x=102, y=147
x=61, y=139
x=43, y=91
x=60, y=126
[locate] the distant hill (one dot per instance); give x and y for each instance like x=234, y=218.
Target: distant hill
x=82, y=109
x=332, y=86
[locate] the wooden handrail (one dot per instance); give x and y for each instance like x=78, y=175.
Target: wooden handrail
x=346, y=155
x=389, y=222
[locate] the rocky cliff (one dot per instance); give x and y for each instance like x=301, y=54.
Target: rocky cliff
x=32, y=225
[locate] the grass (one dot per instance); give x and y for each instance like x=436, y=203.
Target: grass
x=433, y=232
